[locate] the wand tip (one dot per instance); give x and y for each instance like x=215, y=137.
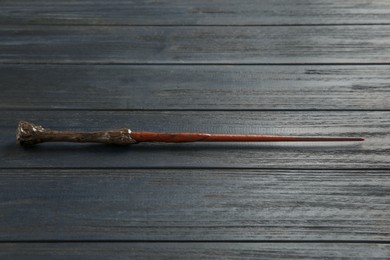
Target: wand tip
x=358, y=139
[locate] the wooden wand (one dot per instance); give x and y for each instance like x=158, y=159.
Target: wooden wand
x=29, y=134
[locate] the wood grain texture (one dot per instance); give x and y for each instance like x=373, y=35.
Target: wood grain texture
x=201, y=12
x=372, y=153
x=194, y=87
x=183, y=45
x=195, y=250
x=219, y=66
x=185, y=204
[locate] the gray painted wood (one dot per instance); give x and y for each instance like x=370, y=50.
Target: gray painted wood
x=200, y=12
x=284, y=192
x=372, y=153
x=201, y=204
x=194, y=87
x=195, y=251
x=124, y=44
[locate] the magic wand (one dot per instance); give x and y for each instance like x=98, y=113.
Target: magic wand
x=29, y=134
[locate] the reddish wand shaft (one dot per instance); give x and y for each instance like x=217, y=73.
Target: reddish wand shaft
x=204, y=137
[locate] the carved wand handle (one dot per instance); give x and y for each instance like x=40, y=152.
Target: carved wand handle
x=29, y=134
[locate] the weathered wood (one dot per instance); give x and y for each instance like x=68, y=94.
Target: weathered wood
x=200, y=12
x=372, y=153
x=124, y=44
x=185, y=204
x=195, y=250
x=90, y=55
x=194, y=87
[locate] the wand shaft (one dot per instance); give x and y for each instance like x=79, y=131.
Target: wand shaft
x=204, y=137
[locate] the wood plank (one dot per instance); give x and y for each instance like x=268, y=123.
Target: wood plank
x=195, y=250
x=200, y=12
x=182, y=45
x=372, y=153
x=194, y=87
x=183, y=204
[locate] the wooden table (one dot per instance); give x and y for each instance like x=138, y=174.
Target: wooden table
x=276, y=67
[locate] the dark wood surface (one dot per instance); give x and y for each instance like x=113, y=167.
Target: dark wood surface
x=211, y=87
x=195, y=44
x=197, y=204
x=301, y=67
x=201, y=12
x=214, y=250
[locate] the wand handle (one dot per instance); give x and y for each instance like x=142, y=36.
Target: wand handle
x=30, y=134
